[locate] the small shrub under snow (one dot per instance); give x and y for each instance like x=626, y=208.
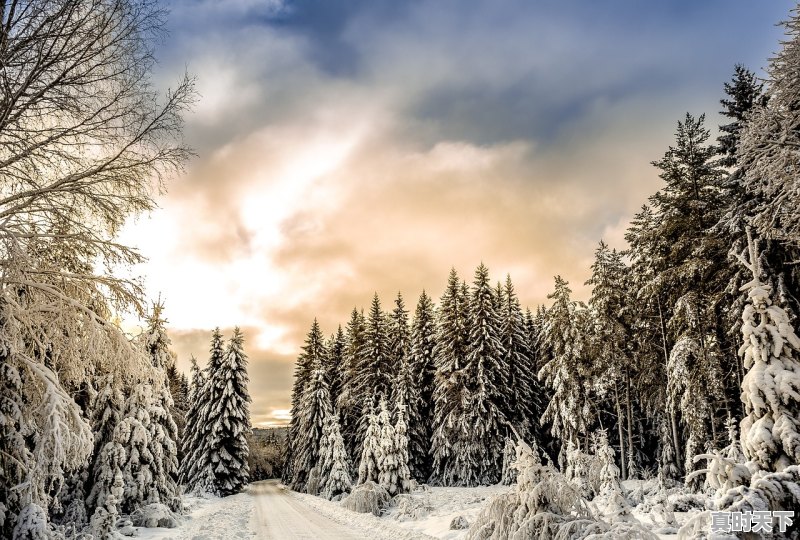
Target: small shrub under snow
x=155, y=515
x=368, y=497
x=459, y=523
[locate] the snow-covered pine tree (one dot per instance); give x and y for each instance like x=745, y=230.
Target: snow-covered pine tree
x=484, y=425
x=399, y=341
x=608, y=342
x=509, y=475
x=370, y=450
x=564, y=371
x=745, y=93
x=335, y=367
x=163, y=430
x=376, y=371
x=13, y=450
x=422, y=367
x=108, y=487
x=106, y=414
x=228, y=415
x=771, y=387
x=139, y=468
x=200, y=470
x=192, y=439
x=770, y=144
x=334, y=464
x=312, y=410
x=525, y=405
x=314, y=356
x=689, y=276
x=348, y=401
x=392, y=458
x=450, y=355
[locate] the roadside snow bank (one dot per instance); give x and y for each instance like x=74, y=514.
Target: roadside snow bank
x=210, y=519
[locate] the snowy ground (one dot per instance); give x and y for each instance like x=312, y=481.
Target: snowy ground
x=268, y=510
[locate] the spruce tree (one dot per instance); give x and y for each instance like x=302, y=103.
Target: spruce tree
x=334, y=464
x=312, y=410
x=770, y=145
x=771, y=387
x=608, y=339
x=336, y=365
x=368, y=469
x=485, y=423
x=422, y=370
x=376, y=372
x=450, y=354
x=200, y=475
x=525, y=406
x=314, y=356
x=193, y=432
x=163, y=430
x=564, y=371
x=349, y=402
x=228, y=414
x=392, y=451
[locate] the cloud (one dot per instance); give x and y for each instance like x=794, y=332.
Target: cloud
x=347, y=148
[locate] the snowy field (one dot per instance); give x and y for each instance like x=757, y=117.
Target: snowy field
x=268, y=510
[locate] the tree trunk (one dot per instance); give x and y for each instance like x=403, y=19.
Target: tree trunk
x=622, y=455
x=629, y=415
x=675, y=440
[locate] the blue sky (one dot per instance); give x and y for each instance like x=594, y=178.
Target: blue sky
x=352, y=147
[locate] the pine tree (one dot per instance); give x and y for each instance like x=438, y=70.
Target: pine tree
x=106, y=414
x=392, y=451
x=771, y=387
x=200, y=474
x=770, y=142
x=687, y=273
x=139, y=469
x=349, y=402
x=336, y=364
x=314, y=356
x=486, y=373
x=368, y=469
x=608, y=340
x=228, y=416
x=163, y=430
x=312, y=410
x=525, y=406
x=399, y=334
x=450, y=354
x=421, y=370
x=334, y=465
x=564, y=370
x=745, y=92
x=191, y=442
x=108, y=486
x=376, y=371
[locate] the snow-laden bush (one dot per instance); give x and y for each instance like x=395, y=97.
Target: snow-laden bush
x=410, y=508
x=459, y=523
x=610, y=501
x=545, y=504
x=32, y=524
x=509, y=475
x=155, y=515
x=368, y=497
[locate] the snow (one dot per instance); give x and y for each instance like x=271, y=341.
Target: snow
x=210, y=518
x=440, y=506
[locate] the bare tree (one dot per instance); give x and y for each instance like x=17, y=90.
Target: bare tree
x=85, y=142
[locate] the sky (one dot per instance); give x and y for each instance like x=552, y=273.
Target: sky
x=346, y=148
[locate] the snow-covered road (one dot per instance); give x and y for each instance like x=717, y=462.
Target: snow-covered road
x=279, y=516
